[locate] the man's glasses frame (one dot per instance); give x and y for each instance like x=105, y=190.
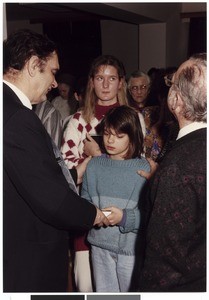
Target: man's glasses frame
x=168, y=79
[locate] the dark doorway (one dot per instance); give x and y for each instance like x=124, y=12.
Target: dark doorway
x=197, y=35
x=78, y=44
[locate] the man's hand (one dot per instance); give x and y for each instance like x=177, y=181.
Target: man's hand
x=153, y=168
x=91, y=148
x=81, y=169
x=116, y=215
x=101, y=219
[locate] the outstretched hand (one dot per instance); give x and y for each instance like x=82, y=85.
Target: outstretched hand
x=80, y=168
x=101, y=219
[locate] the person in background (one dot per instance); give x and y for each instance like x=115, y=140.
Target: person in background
x=79, y=95
x=112, y=183
x=175, y=248
x=80, y=89
x=51, y=119
x=167, y=124
x=138, y=87
x=65, y=102
x=39, y=208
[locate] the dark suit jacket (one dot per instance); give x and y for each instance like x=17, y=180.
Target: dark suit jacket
x=38, y=207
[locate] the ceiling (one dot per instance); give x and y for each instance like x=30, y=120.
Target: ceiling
x=59, y=12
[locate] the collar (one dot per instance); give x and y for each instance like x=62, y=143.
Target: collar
x=23, y=98
x=191, y=127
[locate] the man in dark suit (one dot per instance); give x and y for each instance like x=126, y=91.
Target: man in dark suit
x=39, y=208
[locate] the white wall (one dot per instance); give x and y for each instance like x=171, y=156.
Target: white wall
x=152, y=46
x=163, y=45
x=121, y=40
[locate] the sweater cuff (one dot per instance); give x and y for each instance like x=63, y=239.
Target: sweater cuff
x=123, y=221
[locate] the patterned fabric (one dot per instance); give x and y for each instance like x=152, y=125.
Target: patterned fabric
x=75, y=134
x=153, y=141
x=175, y=256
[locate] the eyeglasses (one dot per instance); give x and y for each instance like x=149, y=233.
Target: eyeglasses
x=168, y=79
x=135, y=88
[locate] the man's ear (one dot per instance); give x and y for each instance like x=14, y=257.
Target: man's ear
x=33, y=65
x=177, y=102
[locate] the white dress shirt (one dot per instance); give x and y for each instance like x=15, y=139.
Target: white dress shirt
x=191, y=127
x=23, y=98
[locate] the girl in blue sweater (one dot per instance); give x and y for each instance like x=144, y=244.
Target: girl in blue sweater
x=111, y=182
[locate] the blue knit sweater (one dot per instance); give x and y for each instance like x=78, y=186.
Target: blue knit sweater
x=110, y=182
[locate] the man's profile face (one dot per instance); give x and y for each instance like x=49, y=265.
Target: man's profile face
x=44, y=79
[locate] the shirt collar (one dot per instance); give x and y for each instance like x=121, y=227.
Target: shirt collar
x=23, y=98
x=191, y=127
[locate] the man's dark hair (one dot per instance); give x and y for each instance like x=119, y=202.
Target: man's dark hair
x=21, y=45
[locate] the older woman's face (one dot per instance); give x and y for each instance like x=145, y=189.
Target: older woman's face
x=139, y=90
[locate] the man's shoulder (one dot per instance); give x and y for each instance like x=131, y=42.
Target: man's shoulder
x=192, y=144
x=14, y=111
x=11, y=103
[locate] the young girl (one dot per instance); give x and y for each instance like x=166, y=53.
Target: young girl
x=106, y=88
x=112, y=183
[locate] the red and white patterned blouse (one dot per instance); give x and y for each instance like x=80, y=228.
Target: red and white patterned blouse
x=75, y=134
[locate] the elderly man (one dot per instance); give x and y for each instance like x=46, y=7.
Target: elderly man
x=175, y=253
x=39, y=207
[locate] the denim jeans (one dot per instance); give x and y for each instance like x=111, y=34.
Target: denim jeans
x=112, y=272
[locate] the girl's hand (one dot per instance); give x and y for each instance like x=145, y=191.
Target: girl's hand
x=116, y=215
x=91, y=148
x=81, y=168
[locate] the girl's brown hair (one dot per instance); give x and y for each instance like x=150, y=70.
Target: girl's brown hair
x=124, y=119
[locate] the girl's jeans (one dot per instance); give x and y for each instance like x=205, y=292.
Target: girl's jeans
x=112, y=271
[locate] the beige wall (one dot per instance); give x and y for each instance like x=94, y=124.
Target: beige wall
x=152, y=46
x=121, y=39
